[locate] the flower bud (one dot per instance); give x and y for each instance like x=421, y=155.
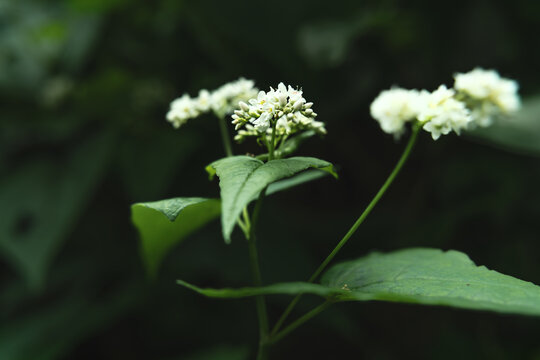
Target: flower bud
x=243, y=106
x=282, y=99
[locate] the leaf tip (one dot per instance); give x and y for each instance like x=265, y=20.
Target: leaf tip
x=331, y=170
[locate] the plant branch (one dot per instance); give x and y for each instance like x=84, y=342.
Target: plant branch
x=352, y=230
x=225, y=137
x=257, y=278
x=272, y=144
x=295, y=324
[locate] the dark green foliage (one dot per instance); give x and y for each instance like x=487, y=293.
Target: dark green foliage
x=242, y=178
x=165, y=223
x=85, y=86
x=420, y=276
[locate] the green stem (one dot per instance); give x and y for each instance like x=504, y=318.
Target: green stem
x=257, y=279
x=294, y=325
x=272, y=144
x=355, y=226
x=225, y=135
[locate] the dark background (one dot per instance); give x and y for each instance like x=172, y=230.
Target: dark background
x=84, y=88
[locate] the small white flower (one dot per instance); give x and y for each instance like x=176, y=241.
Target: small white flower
x=182, y=109
x=488, y=93
x=222, y=101
x=262, y=123
x=226, y=98
x=204, y=101
x=394, y=107
x=284, y=107
x=442, y=113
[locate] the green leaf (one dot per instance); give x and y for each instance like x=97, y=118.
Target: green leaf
x=433, y=277
x=418, y=275
x=294, y=143
x=519, y=133
x=295, y=180
x=161, y=227
x=291, y=288
x=242, y=178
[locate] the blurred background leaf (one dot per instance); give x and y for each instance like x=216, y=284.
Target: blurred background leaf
x=520, y=133
x=43, y=200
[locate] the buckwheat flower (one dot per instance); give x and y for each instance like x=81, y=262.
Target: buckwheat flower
x=283, y=108
x=488, y=94
x=225, y=99
x=395, y=107
x=204, y=101
x=442, y=113
x=247, y=131
x=221, y=101
x=182, y=109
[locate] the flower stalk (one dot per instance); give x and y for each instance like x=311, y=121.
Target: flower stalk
x=225, y=137
x=260, y=301
x=358, y=222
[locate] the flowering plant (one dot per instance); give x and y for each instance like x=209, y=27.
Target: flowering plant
x=280, y=119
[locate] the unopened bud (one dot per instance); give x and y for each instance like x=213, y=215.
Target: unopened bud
x=283, y=99
x=243, y=106
x=297, y=106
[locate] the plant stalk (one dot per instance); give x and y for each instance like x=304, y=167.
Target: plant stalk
x=294, y=325
x=225, y=137
x=257, y=279
x=272, y=144
x=352, y=230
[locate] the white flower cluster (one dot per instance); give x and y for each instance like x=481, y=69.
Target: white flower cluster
x=284, y=107
x=442, y=113
x=221, y=101
x=225, y=99
x=186, y=107
x=480, y=96
x=392, y=108
x=488, y=93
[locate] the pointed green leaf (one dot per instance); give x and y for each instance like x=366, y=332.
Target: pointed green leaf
x=421, y=276
x=242, y=178
x=292, y=288
x=433, y=277
x=295, y=180
x=161, y=227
